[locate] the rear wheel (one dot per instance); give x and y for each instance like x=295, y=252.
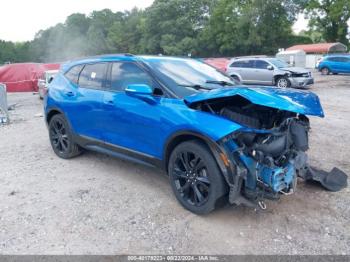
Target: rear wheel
x=195, y=177
x=61, y=138
x=236, y=78
x=283, y=82
x=325, y=71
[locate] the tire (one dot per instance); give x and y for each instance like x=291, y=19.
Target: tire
x=41, y=97
x=195, y=177
x=325, y=71
x=282, y=82
x=61, y=138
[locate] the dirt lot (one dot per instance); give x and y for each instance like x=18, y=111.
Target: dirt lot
x=95, y=204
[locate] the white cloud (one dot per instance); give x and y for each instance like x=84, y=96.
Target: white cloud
x=21, y=19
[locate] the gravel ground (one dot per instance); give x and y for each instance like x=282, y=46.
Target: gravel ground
x=95, y=204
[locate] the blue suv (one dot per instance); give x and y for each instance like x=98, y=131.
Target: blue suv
x=217, y=141
x=334, y=64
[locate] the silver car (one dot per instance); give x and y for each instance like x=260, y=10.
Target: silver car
x=44, y=82
x=268, y=71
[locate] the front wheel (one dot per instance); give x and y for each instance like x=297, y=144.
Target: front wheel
x=61, y=138
x=283, y=82
x=195, y=177
x=325, y=71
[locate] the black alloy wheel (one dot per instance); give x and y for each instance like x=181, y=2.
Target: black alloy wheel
x=191, y=179
x=195, y=177
x=61, y=138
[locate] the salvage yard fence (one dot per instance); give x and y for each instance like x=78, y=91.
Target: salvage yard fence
x=4, y=116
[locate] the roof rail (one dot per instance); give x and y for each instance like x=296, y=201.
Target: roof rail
x=250, y=56
x=330, y=54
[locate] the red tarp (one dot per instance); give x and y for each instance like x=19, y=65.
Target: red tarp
x=23, y=77
x=218, y=63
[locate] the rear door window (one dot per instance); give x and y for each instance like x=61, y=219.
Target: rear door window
x=335, y=59
x=260, y=64
x=247, y=63
x=93, y=76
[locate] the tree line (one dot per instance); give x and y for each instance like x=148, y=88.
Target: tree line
x=200, y=28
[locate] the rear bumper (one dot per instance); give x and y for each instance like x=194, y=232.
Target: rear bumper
x=301, y=81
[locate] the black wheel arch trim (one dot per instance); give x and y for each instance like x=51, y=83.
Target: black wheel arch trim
x=60, y=111
x=213, y=146
x=49, y=111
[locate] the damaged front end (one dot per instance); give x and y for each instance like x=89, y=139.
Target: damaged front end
x=268, y=162
x=265, y=157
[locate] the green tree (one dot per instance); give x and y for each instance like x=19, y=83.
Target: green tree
x=330, y=18
x=172, y=27
x=100, y=26
x=125, y=34
x=14, y=52
x=239, y=27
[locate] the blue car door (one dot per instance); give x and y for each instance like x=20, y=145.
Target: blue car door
x=346, y=64
x=331, y=63
x=130, y=122
x=84, y=101
x=337, y=64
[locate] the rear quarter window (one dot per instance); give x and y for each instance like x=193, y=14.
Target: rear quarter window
x=243, y=64
x=73, y=73
x=236, y=64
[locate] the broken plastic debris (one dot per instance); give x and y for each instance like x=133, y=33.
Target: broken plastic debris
x=334, y=181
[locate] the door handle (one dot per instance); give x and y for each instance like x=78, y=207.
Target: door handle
x=70, y=93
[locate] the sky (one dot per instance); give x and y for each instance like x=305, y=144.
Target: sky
x=300, y=24
x=21, y=19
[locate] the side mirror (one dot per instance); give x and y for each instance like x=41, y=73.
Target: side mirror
x=139, y=89
x=269, y=67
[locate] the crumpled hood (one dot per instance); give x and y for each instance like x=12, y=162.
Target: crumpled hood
x=297, y=70
x=297, y=101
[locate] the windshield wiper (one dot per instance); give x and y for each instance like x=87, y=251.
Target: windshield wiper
x=197, y=87
x=222, y=83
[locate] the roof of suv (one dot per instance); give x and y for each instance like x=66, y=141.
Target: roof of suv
x=115, y=57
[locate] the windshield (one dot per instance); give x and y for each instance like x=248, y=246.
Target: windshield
x=187, y=76
x=278, y=63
